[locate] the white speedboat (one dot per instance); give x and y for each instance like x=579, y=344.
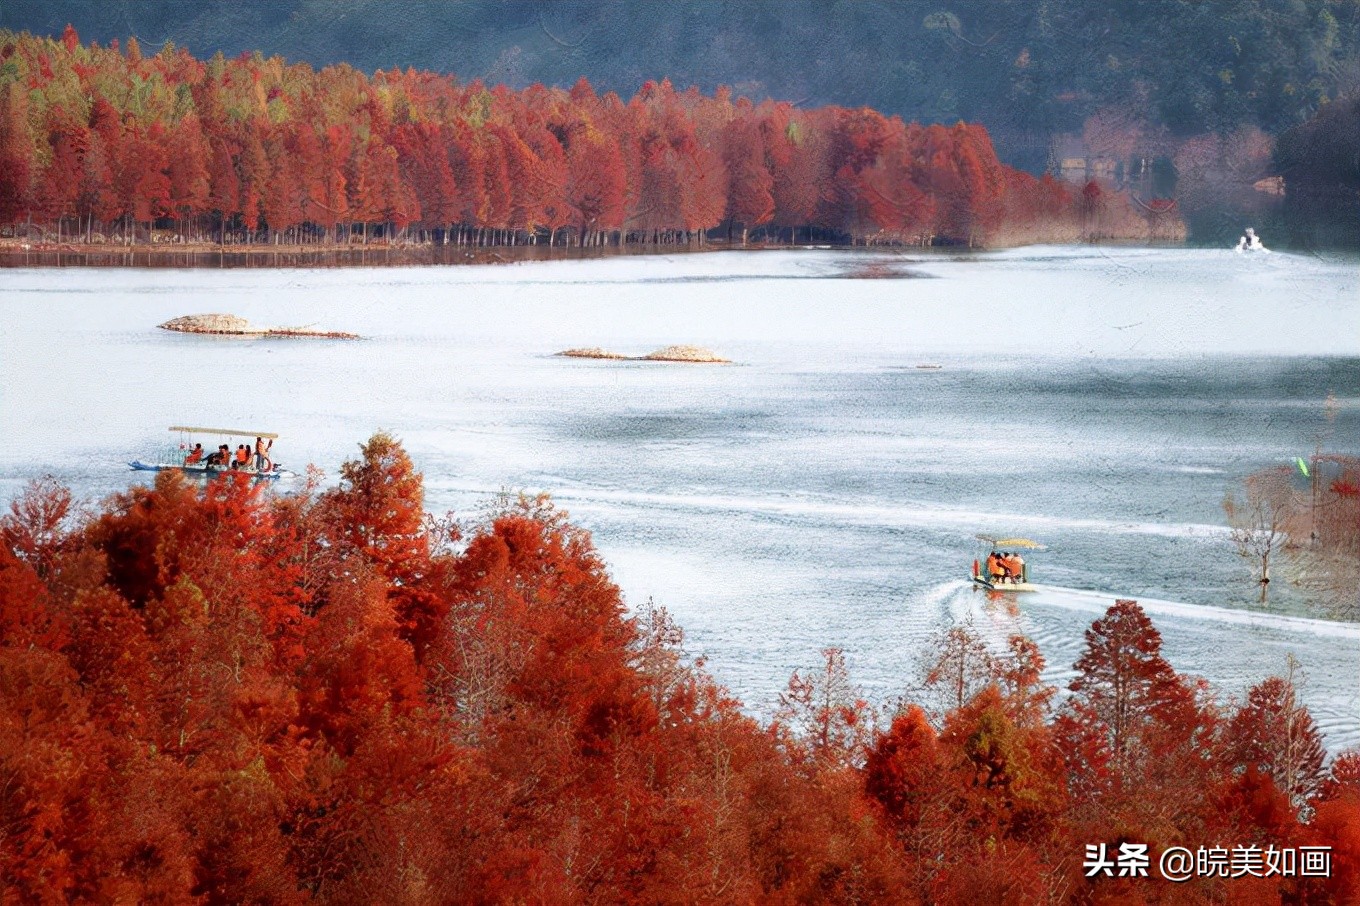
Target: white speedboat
x=1250, y=243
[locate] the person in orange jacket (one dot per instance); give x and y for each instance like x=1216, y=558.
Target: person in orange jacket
x=1004, y=565
x=195, y=455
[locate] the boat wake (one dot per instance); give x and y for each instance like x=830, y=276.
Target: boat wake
x=1097, y=602
x=938, y=605
x=1232, y=649
x=922, y=515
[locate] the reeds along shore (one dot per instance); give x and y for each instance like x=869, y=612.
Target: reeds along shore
x=413, y=253
x=1120, y=222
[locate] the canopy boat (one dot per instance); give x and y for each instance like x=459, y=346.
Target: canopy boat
x=192, y=459
x=1003, y=568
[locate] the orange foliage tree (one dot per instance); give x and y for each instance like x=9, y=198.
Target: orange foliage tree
x=213, y=694
x=109, y=142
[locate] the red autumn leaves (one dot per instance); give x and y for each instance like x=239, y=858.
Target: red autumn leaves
x=99, y=142
x=210, y=694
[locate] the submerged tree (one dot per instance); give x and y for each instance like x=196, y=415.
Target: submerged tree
x=1313, y=534
x=1260, y=520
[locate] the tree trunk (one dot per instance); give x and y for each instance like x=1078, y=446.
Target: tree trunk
x=1265, y=575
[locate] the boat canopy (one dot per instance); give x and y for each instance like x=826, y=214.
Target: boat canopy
x=1011, y=542
x=228, y=431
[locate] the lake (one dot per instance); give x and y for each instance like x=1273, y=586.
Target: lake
x=824, y=489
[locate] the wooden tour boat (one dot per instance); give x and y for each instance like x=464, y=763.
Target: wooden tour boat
x=197, y=461
x=999, y=569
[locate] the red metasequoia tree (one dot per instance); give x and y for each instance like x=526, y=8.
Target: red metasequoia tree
x=215, y=694
x=120, y=145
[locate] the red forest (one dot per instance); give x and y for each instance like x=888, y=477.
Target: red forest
x=106, y=144
x=215, y=694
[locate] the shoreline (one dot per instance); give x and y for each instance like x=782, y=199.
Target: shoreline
x=209, y=256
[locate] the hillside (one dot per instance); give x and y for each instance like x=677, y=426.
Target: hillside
x=1320, y=162
x=1026, y=68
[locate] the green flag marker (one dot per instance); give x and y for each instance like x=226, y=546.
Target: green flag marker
x=1303, y=466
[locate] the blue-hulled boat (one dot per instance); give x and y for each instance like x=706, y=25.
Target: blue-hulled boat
x=192, y=459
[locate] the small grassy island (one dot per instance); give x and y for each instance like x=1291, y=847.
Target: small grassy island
x=695, y=354
x=236, y=326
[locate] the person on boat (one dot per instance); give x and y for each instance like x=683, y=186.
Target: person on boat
x=1251, y=242
x=242, y=456
x=1003, y=565
x=195, y=456
x=994, y=570
x=1016, y=563
x=262, y=463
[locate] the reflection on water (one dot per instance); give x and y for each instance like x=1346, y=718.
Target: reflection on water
x=382, y=255
x=376, y=255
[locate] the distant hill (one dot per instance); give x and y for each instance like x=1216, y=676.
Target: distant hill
x=1320, y=163
x=1028, y=69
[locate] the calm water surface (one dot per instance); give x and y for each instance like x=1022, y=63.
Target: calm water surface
x=822, y=491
